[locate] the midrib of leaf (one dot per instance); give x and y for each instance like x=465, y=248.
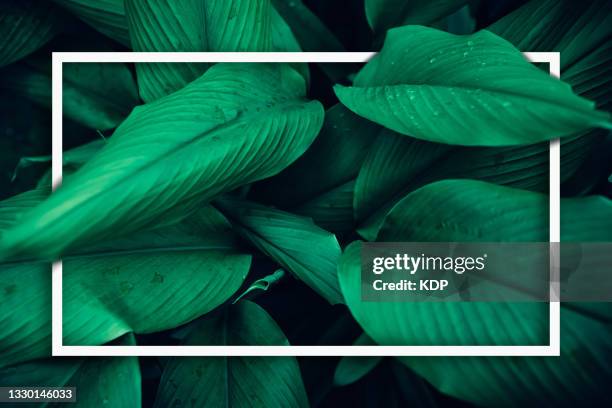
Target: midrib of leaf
x=185, y=145
x=106, y=306
x=104, y=254
x=537, y=97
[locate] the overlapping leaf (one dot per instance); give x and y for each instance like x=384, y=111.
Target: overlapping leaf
x=25, y=26
x=295, y=242
x=72, y=160
x=396, y=165
x=309, y=33
x=234, y=125
x=98, y=381
x=144, y=283
x=584, y=41
x=320, y=183
x=385, y=14
x=466, y=210
x=543, y=25
x=106, y=16
x=234, y=381
x=99, y=96
x=465, y=90
x=193, y=25
x=352, y=369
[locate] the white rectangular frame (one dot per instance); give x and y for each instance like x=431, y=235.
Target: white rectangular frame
x=58, y=349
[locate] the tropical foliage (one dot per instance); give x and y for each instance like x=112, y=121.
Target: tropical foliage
x=226, y=204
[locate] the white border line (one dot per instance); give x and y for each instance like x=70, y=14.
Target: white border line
x=58, y=349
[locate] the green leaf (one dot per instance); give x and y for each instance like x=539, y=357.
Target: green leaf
x=312, y=35
x=113, y=382
x=106, y=16
x=193, y=25
x=72, y=160
x=391, y=167
x=543, y=25
x=397, y=165
x=294, y=242
x=143, y=283
x=25, y=26
x=352, y=369
x=283, y=40
x=468, y=210
x=109, y=17
x=332, y=210
x=583, y=40
x=251, y=120
x=12, y=208
x=319, y=184
x=333, y=159
x=465, y=90
x=261, y=285
x=385, y=14
x=98, y=96
x=234, y=381
x=439, y=323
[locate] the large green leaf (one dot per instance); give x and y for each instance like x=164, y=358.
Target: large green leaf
x=193, y=25
x=396, y=165
x=234, y=381
x=584, y=40
x=113, y=382
x=390, y=171
x=109, y=17
x=106, y=16
x=143, y=283
x=468, y=210
x=296, y=243
x=465, y=90
x=25, y=26
x=12, y=208
x=99, y=96
x=385, y=14
x=234, y=125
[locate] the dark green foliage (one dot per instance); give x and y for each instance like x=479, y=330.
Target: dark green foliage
x=226, y=204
